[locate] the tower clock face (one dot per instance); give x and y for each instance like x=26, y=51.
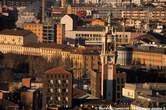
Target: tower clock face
x=109, y=59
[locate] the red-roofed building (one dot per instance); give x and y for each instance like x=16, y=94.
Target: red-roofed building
x=59, y=87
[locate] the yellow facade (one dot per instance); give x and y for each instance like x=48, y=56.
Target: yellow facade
x=149, y=58
x=80, y=61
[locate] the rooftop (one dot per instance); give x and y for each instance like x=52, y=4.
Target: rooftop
x=153, y=37
x=67, y=48
x=91, y=28
x=16, y=32
x=57, y=70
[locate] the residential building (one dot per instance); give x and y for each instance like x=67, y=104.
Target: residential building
x=150, y=57
x=92, y=35
x=36, y=28
x=17, y=3
x=70, y=21
x=142, y=14
x=146, y=102
x=58, y=83
x=60, y=37
x=124, y=56
x=120, y=83
x=133, y=90
x=73, y=9
x=49, y=32
x=17, y=37
x=81, y=58
x=95, y=78
x=125, y=38
x=32, y=99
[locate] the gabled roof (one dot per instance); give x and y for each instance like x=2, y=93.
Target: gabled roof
x=57, y=70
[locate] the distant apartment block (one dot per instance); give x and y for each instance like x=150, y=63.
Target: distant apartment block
x=137, y=14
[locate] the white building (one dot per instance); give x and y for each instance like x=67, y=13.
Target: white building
x=132, y=91
x=91, y=37
x=68, y=21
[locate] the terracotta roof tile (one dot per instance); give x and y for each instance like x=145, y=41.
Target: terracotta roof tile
x=57, y=70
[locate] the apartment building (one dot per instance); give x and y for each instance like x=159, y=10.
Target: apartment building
x=74, y=9
x=140, y=14
x=36, y=28
x=132, y=91
x=14, y=3
x=58, y=83
x=17, y=37
x=60, y=34
x=81, y=58
x=150, y=57
x=95, y=81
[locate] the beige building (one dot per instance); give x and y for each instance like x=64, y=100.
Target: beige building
x=125, y=37
x=80, y=59
x=74, y=9
x=157, y=14
x=132, y=91
x=91, y=37
x=17, y=37
x=150, y=59
x=148, y=102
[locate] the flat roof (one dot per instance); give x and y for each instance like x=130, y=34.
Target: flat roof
x=16, y=32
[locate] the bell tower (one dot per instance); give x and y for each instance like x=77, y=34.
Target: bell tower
x=108, y=60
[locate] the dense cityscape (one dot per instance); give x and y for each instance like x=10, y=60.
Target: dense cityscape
x=82, y=54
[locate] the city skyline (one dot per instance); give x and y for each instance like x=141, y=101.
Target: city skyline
x=82, y=54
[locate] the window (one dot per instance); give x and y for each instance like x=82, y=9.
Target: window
x=59, y=81
x=59, y=98
x=59, y=90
